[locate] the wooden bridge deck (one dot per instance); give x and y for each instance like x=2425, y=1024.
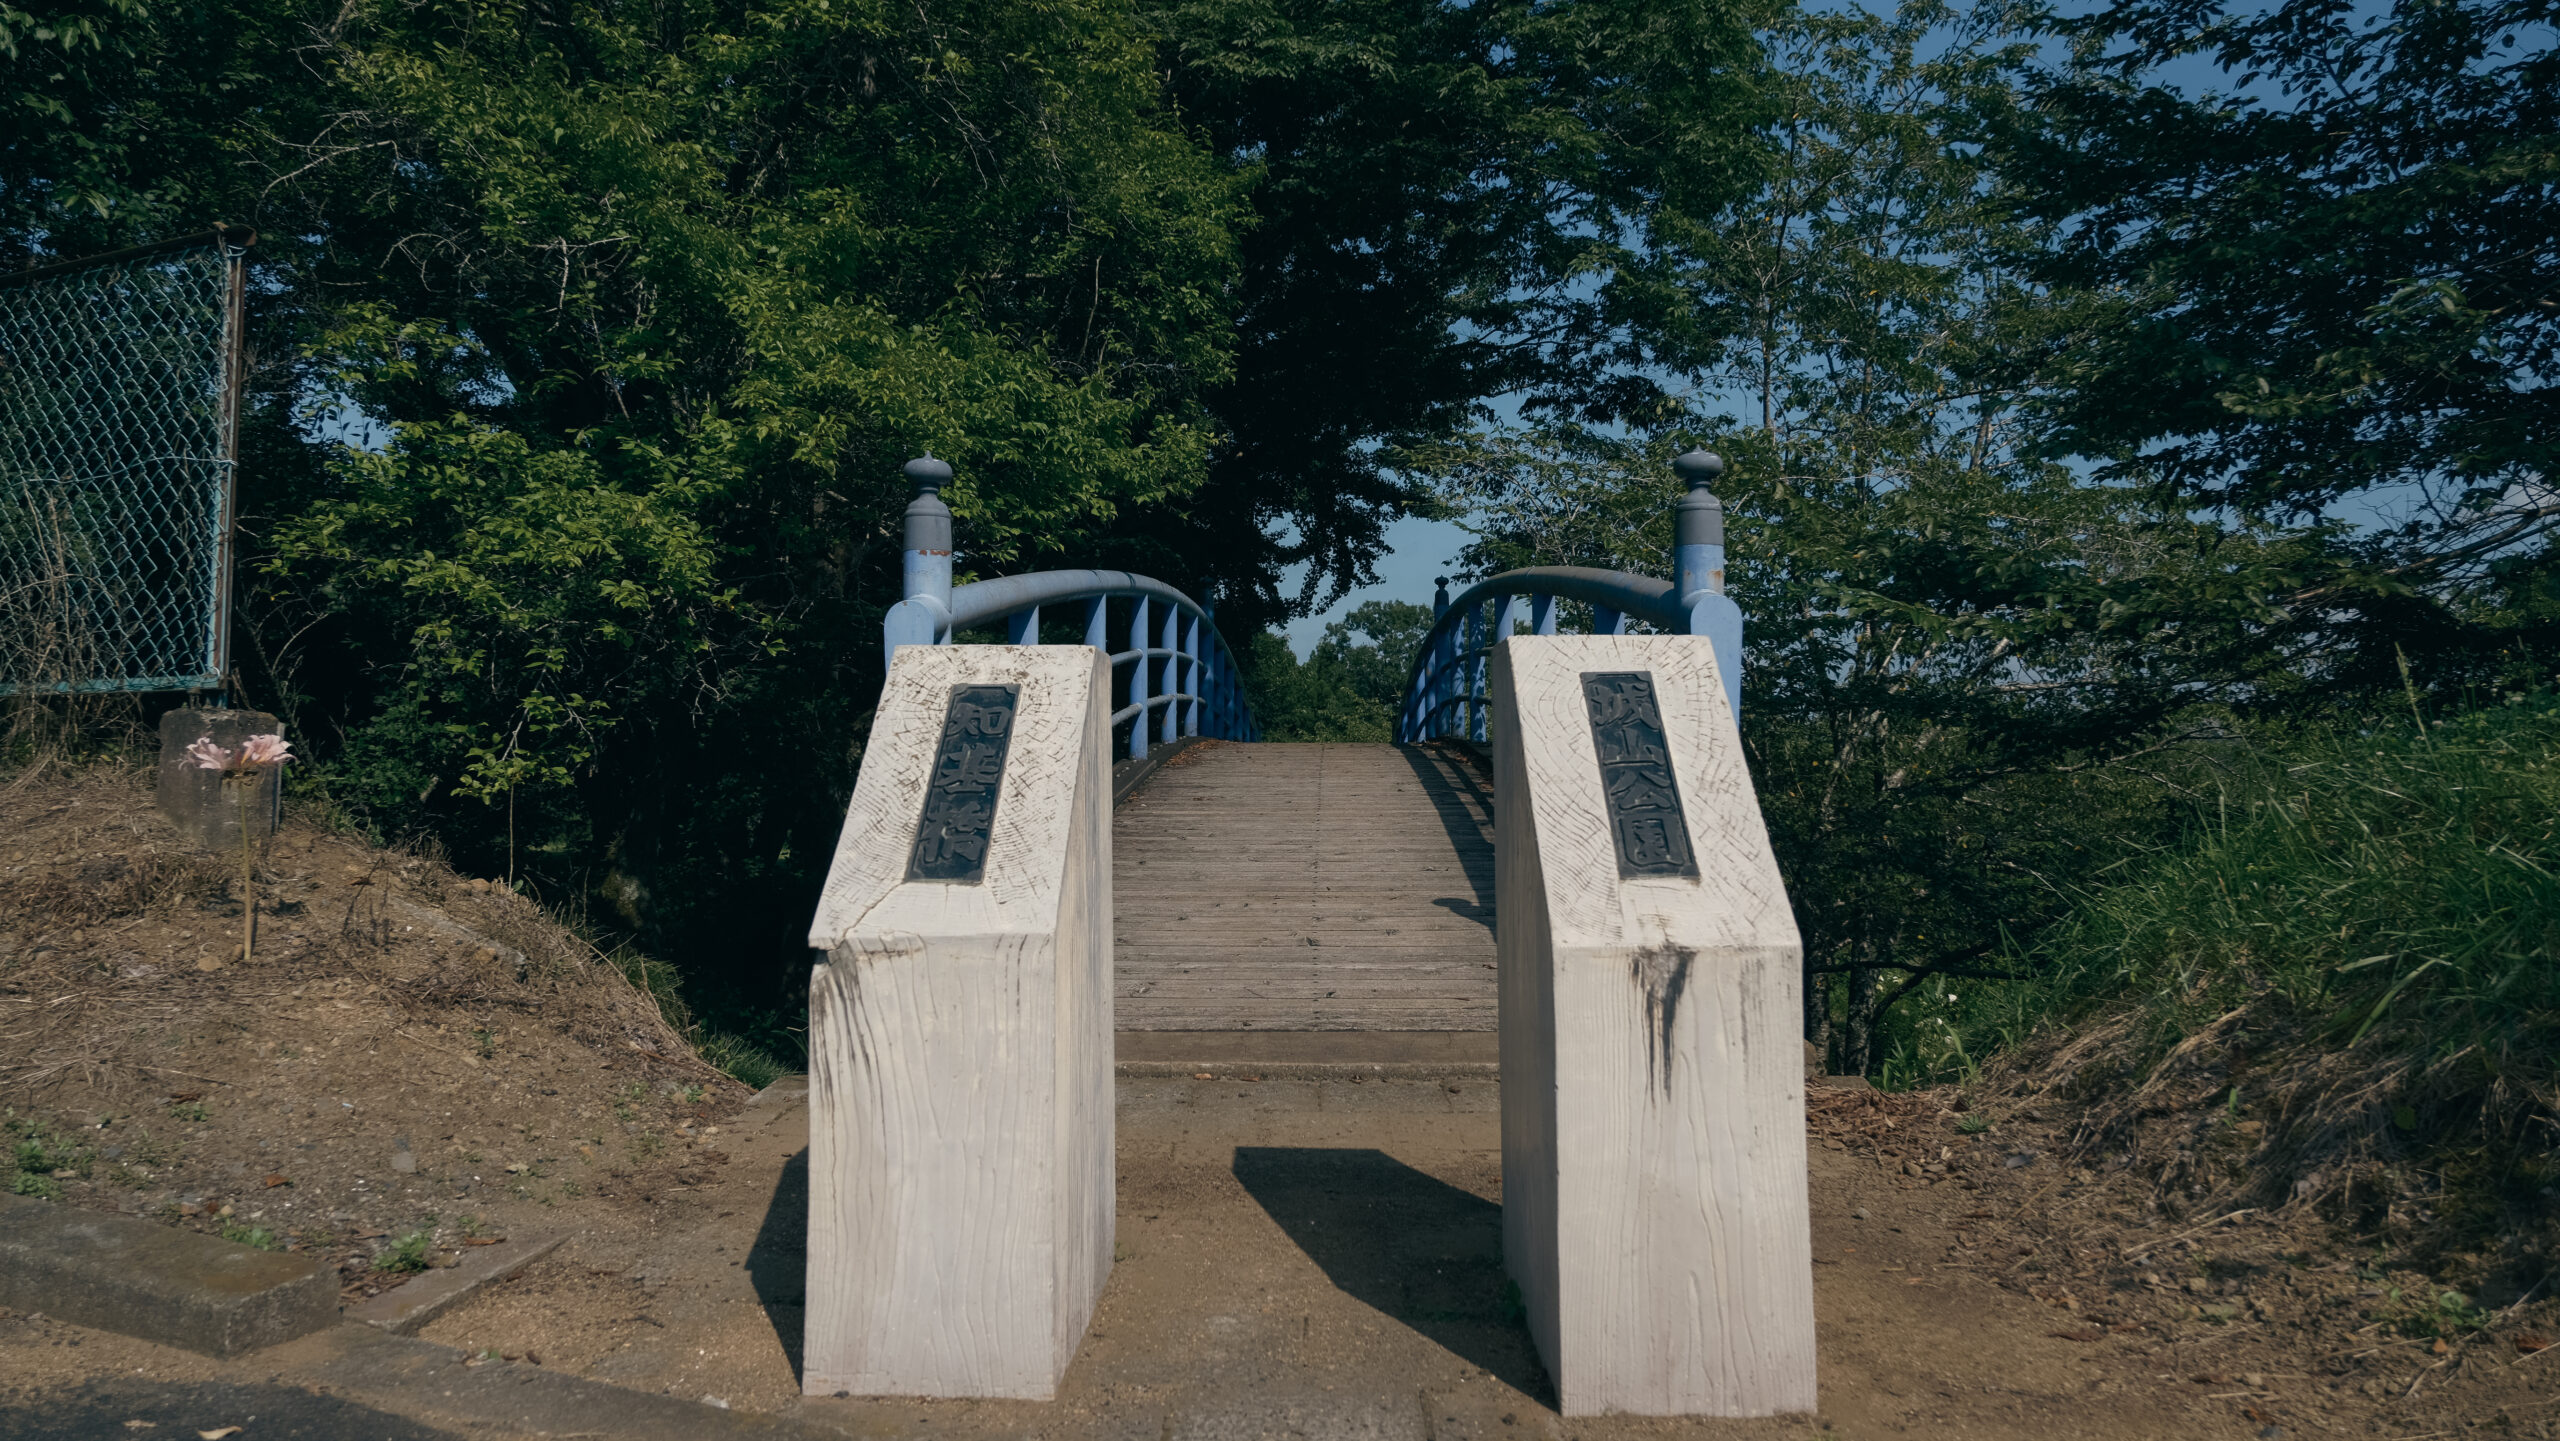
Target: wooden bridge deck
x=1306, y=888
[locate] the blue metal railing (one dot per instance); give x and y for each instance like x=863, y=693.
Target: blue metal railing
x=1172, y=678
x=1445, y=694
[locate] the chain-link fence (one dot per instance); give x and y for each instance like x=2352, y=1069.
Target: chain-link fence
x=119, y=439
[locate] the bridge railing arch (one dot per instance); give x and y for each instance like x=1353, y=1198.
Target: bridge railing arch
x=1172, y=673
x=1445, y=690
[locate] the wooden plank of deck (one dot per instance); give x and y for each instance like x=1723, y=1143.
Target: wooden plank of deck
x=1306, y=888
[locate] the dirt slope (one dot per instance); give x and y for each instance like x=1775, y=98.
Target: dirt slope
x=411, y=1060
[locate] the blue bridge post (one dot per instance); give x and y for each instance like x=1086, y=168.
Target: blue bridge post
x=924, y=617
x=1698, y=569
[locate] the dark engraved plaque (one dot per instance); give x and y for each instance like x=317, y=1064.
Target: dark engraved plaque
x=960, y=797
x=1645, y=818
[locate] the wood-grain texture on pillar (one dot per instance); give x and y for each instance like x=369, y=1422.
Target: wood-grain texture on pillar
x=1306, y=888
x=1654, y=1210
x=960, y=1156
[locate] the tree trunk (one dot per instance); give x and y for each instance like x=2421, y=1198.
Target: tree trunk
x=1857, y=1043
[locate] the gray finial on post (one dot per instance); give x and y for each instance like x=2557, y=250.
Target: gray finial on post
x=1700, y=518
x=924, y=616
x=1697, y=566
x=1440, y=597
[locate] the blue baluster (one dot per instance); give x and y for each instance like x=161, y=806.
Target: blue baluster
x=1542, y=614
x=1470, y=710
x=1172, y=673
x=1138, y=681
x=1023, y=627
x=1097, y=622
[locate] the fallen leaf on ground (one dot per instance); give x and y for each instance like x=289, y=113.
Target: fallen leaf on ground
x=141, y=1425
x=2439, y=1347
x=482, y=1240
x=218, y=1432
x=180, y=1099
x=2084, y=1333
x=275, y=1179
x=1202, y=1076
x=2528, y=1343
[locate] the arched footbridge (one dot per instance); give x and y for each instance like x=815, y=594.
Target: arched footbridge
x=1304, y=901
x=1069, y=846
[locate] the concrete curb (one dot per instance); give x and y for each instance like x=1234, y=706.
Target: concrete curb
x=410, y=1377
x=140, y=1278
x=406, y=1308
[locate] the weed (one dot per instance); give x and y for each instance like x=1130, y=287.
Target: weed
x=187, y=1111
x=647, y=1144
x=741, y=1060
x=690, y=1095
x=485, y=1041
x=36, y=1184
x=257, y=1236
x=406, y=1255
x=1972, y=1124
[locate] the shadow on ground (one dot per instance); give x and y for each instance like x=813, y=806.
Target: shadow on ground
x=1450, y=803
x=1414, y=1247
x=126, y=1409
x=778, y=1262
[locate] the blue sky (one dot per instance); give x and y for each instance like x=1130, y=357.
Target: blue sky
x=1417, y=550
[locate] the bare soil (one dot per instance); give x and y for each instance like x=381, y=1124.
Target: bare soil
x=411, y=1061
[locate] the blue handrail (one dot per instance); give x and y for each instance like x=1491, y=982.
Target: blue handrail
x=1174, y=670
x=1445, y=693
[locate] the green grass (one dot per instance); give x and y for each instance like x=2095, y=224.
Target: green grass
x=742, y=1060
x=2369, y=922
x=2401, y=887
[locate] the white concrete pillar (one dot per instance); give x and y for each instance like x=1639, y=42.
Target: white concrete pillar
x=1653, y=1153
x=960, y=1162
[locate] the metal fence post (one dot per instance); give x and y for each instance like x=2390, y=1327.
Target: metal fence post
x=1698, y=565
x=924, y=617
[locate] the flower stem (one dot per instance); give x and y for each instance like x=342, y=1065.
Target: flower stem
x=248, y=874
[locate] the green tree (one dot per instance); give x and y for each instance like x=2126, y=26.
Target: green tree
x=641, y=312
x=1963, y=661
x=2328, y=289
x=1445, y=197
x=1351, y=688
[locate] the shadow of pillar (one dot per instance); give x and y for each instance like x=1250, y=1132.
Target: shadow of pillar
x=778, y=1262
x=1409, y=1245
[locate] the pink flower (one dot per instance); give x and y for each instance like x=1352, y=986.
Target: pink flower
x=265, y=751
x=205, y=755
